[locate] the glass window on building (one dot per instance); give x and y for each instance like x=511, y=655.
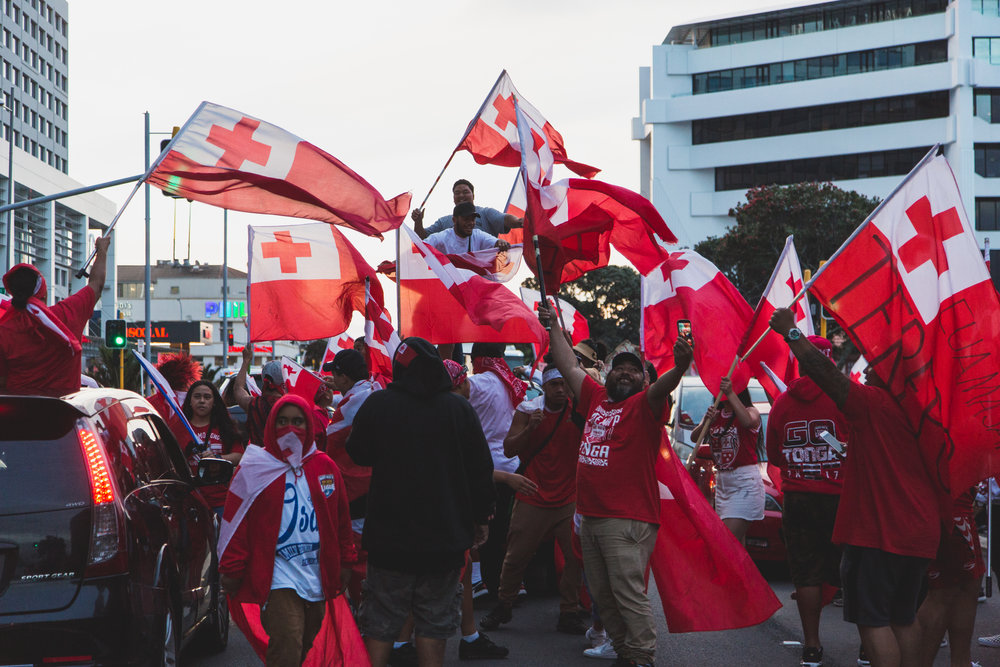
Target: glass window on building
x=987, y=214
x=131, y=291
x=986, y=7
x=986, y=49
x=986, y=103
x=987, y=160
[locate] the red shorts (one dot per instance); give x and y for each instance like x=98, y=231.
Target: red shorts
x=959, y=557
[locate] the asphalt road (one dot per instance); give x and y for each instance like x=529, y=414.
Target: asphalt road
x=533, y=641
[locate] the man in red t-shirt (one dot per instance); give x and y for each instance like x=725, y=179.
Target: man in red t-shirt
x=618, y=494
x=545, y=435
x=811, y=480
x=890, y=531
x=40, y=350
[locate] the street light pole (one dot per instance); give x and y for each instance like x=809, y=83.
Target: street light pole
x=10, y=180
x=225, y=288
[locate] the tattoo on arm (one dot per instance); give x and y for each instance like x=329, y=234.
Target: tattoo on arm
x=823, y=372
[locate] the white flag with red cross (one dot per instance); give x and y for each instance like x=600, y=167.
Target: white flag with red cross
x=911, y=290
x=333, y=346
x=305, y=281
x=299, y=380
x=228, y=159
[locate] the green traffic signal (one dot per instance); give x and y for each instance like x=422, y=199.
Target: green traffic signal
x=114, y=334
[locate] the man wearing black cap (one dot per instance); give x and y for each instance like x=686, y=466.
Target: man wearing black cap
x=618, y=495
x=490, y=220
x=464, y=236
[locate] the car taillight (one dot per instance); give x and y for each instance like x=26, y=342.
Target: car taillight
x=107, y=539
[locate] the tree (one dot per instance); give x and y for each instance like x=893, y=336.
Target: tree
x=820, y=215
x=107, y=369
x=609, y=298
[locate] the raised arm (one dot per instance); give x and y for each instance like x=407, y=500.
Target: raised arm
x=417, y=215
x=240, y=393
x=562, y=352
x=746, y=417
x=99, y=269
x=512, y=222
x=812, y=362
x=666, y=383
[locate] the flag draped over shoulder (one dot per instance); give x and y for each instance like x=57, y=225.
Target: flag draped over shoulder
x=911, y=290
x=491, y=137
x=689, y=287
x=705, y=578
x=228, y=159
x=784, y=285
x=444, y=304
x=305, y=281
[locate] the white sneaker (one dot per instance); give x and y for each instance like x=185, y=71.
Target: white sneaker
x=596, y=637
x=605, y=651
x=993, y=641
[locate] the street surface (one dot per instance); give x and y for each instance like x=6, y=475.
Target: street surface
x=533, y=641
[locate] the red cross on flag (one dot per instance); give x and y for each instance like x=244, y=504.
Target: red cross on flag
x=784, y=285
x=445, y=304
x=911, y=290
x=305, y=281
x=228, y=159
x=689, y=287
x=492, y=138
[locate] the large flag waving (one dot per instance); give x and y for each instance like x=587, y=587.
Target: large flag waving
x=381, y=340
x=445, y=304
x=911, y=290
x=305, y=281
x=784, y=285
x=689, y=287
x=491, y=137
x=228, y=159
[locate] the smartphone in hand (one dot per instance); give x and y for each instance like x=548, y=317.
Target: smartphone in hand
x=684, y=331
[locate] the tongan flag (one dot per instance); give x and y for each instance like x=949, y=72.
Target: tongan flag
x=784, y=285
x=381, y=340
x=300, y=381
x=305, y=282
x=167, y=392
x=333, y=346
x=911, y=290
x=705, y=578
x=491, y=137
x=445, y=304
x=689, y=287
x=228, y=159
x=491, y=263
x=575, y=323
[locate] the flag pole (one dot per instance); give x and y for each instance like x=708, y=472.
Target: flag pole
x=715, y=404
x=399, y=305
x=541, y=275
x=436, y=180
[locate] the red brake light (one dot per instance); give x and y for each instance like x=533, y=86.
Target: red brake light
x=97, y=466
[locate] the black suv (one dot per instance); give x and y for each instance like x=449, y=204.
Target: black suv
x=107, y=551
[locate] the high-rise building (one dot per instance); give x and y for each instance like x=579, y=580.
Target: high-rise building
x=854, y=92
x=56, y=236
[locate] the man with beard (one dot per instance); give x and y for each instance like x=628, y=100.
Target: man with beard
x=618, y=496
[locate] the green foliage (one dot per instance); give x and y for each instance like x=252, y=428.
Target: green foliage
x=212, y=373
x=820, y=215
x=609, y=298
x=314, y=354
x=107, y=372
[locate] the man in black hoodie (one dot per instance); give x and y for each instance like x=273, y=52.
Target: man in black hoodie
x=430, y=500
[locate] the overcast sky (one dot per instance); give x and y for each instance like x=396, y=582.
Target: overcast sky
x=387, y=87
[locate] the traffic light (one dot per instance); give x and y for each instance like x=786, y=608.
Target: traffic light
x=114, y=334
x=231, y=343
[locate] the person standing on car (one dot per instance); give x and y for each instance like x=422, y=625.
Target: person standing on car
x=811, y=480
x=40, y=351
x=733, y=433
x=217, y=436
x=285, y=542
x=258, y=407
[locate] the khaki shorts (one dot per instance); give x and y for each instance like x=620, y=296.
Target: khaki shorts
x=388, y=597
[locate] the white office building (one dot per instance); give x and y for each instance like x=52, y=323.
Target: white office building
x=853, y=92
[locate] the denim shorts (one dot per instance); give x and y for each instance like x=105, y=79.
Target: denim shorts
x=388, y=597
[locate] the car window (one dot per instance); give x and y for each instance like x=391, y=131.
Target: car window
x=170, y=446
x=757, y=394
x=121, y=456
x=150, y=454
x=695, y=400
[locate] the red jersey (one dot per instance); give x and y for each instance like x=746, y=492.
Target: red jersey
x=732, y=445
x=33, y=360
x=214, y=495
x=889, y=501
x=553, y=468
x=797, y=418
x=621, y=440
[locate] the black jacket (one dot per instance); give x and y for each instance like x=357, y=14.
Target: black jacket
x=432, y=473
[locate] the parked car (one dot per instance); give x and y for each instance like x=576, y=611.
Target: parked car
x=691, y=399
x=107, y=551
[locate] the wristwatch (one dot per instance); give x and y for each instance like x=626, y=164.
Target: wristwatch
x=793, y=334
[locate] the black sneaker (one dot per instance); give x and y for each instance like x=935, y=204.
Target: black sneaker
x=811, y=656
x=481, y=649
x=572, y=624
x=501, y=614
x=404, y=656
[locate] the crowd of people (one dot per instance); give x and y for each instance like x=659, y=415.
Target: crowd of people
x=397, y=495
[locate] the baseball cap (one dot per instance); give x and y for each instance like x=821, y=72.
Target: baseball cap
x=631, y=357
x=465, y=209
x=349, y=363
x=585, y=351
x=822, y=344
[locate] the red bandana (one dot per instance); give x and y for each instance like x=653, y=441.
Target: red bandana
x=516, y=388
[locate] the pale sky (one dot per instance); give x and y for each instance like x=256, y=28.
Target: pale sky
x=387, y=87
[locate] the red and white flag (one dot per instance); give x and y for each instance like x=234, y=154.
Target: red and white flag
x=381, y=340
x=492, y=138
x=911, y=290
x=575, y=323
x=689, y=287
x=445, y=304
x=333, y=346
x=858, y=370
x=784, y=285
x=305, y=282
x=300, y=381
x=228, y=159
x=491, y=263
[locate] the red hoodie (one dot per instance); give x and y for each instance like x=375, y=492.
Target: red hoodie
x=797, y=417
